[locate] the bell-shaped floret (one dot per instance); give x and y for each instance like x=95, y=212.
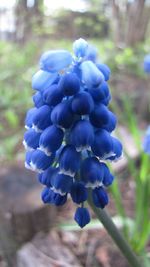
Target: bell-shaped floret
x=41, y=118
x=146, y=64
x=101, y=93
x=49, y=196
x=82, y=216
x=105, y=70
x=146, y=142
x=62, y=115
x=108, y=177
x=69, y=160
x=117, y=150
x=56, y=60
x=78, y=192
x=31, y=139
x=47, y=176
x=59, y=200
x=46, y=195
x=82, y=135
x=100, y=197
x=99, y=116
x=92, y=172
x=40, y=162
x=43, y=79
x=62, y=183
x=103, y=144
x=80, y=47
x=38, y=100
x=28, y=158
x=52, y=95
x=29, y=118
x=112, y=122
x=91, y=53
x=82, y=103
x=91, y=76
x=51, y=139
x=69, y=84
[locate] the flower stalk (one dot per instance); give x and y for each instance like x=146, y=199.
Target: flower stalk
x=115, y=234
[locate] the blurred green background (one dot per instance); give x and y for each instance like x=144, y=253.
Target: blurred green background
x=121, y=32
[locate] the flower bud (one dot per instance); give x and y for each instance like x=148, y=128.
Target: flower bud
x=82, y=103
x=42, y=118
x=100, y=197
x=69, y=160
x=82, y=135
x=62, y=183
x=69, y=84
x=78, y=192
x=82, y=216
x=56, y=60
x=62, y=115
x=29, y=118
x=91, y=172
x=105, y=70
x=40, y=162
x=46, y=176
x=91, y=76
x=80, y=47
x=99, y=116
x=31, y=139
x=43, y=79
x=51, y=139
x=52, y=95
x=38, y=100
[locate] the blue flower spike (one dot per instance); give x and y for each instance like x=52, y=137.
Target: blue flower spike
x=146, y=64
x=69, y=130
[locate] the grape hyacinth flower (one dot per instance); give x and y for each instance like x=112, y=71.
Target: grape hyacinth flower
x=146, y=64
x=69, y=131
x=146, y=142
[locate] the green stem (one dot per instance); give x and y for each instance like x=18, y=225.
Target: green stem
x=115, y=234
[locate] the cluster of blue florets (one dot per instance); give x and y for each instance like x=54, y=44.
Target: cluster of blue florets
x=146, y=63
x=68, y=137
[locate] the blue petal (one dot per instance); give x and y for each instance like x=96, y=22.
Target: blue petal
x=62, y=183
x=82, y=216
x=80, y=47
x=42, y=118
x=146, y=64
x=31, y=139
x=47, y=176
x=78, y=192
x=82, y=103
x=100, y=197
x=52, y=95
x=40, y=162
x=146, y=142
x=82, y=135
x=91, y=76
x=38, y=100
x=69, y=84
x=28, y=158
x=62, y=115
x=69, y=161
x=29, y=117
x=56, y=60
x=51, y=139
x=92, y=172
x=105, y=70
x=99, y=116
x=43, y=79
x=103, y=144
